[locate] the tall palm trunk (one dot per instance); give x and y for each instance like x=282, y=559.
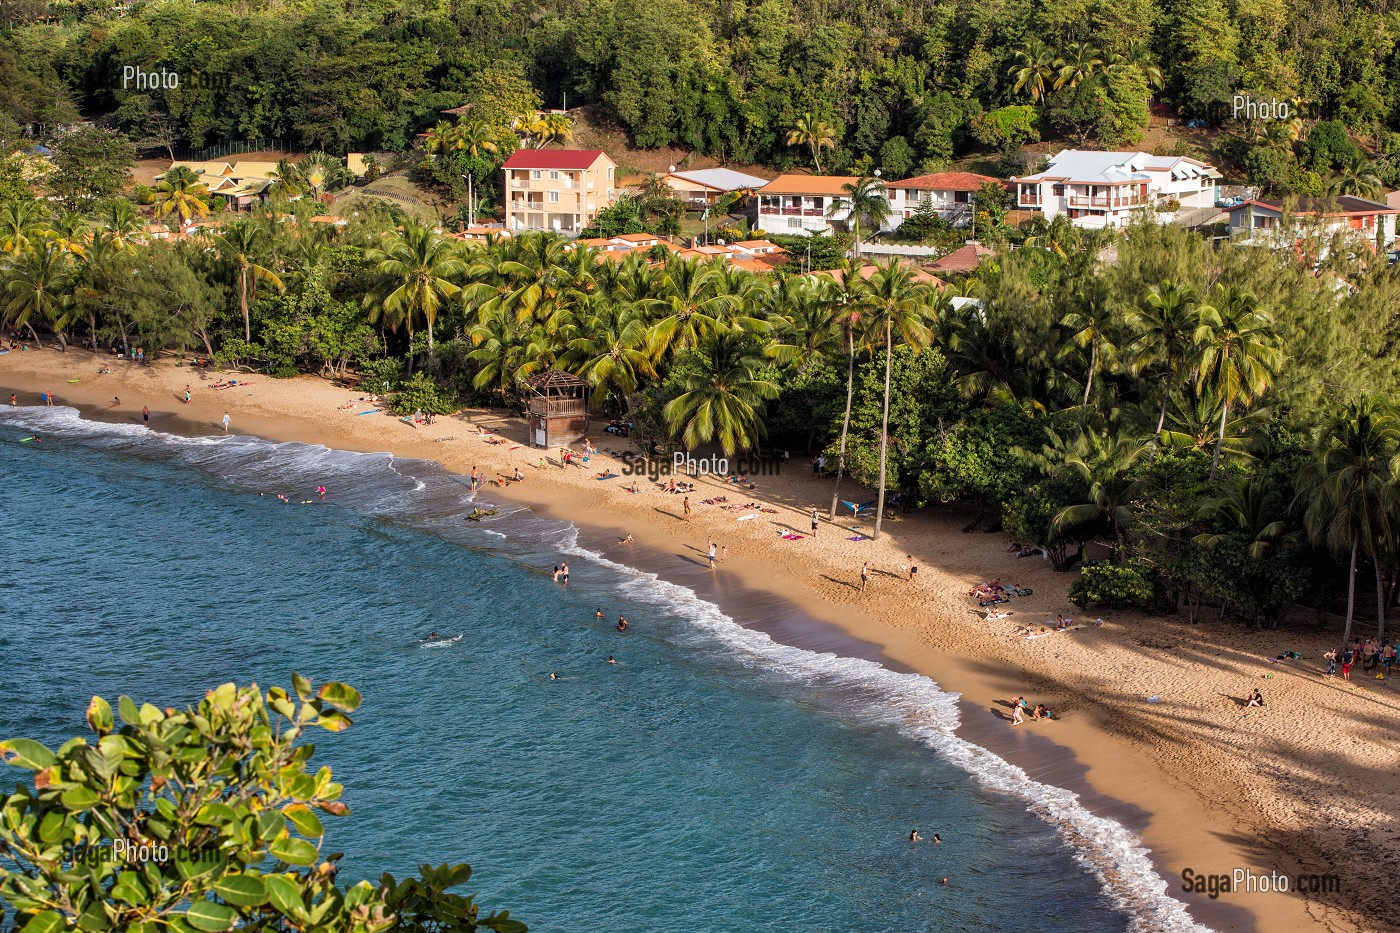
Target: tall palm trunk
x=845, y=422
x=1220, y=441
x=92, y=326
x=884, y=429
x=35, y=334
x=1088, y=384
x=1351, y=589
x=243, y=302
x=1380, y=601
x=1162, y=413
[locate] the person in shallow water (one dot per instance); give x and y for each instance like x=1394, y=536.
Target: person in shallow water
x=621, y=624
x=914, y=836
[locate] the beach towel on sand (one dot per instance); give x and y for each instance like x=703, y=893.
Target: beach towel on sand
x=793, y=537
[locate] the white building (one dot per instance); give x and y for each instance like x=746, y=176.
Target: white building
x=1282, y=223
x=701, y=188
x=951, y=195
x=1106, y=189
x=803, y=204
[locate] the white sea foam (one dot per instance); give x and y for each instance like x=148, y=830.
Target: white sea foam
x=923, y=711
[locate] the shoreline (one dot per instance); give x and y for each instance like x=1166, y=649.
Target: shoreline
x=1173, y=789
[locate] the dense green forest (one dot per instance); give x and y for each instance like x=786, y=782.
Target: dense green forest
x=904, y=87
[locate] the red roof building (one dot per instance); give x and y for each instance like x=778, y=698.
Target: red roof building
x=561, y=190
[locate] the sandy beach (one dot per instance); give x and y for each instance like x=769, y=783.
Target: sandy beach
x=1151, y=730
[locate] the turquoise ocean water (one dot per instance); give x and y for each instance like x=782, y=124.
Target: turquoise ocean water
x=712, y=780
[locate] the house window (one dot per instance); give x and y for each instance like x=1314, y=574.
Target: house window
x=962, y=197
x=553, y=176
x=535, y=173
x=609, y=172
x=1058, y=191
x=554, y=197
x=795, y=222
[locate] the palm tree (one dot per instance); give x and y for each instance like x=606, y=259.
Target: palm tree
x=419, y=272
x=37, y=288
x=1254, y=507
x=1081, y=64
x=1350, y=490
x=608, y=347
x=554, y=127
x=1358, y=177
x=724, y=399
x=1140, y=56
x=1165, y=324
x=244, y=244
x=1088, y=322
x=895, y=303
x=1239, y=353
x=868, y=201
x=475, y=138
x=1193, y=421
x=1106, y=466
x=811, y=131
x=1035, y=66
x=691, y=304
x=847, y=299
x=804, y=322
x=182, y=193
x=20, y=223
x=443, y=137
x=120, y=221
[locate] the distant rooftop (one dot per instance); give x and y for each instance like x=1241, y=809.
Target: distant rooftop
x=721, y=179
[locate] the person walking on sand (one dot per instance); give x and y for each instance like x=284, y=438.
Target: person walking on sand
x=814, y=522
x=913, y=567
x=14, y=400
x=146, y=415
x=712, y=555
x=864, y=575
x=1331, y=658
x=685, y=507
x=187, y=393
x=225, y=422
x=48, y=399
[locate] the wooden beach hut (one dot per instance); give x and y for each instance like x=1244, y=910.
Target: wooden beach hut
x=557, y=408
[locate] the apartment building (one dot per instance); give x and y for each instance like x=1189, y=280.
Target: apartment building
x=560, y=190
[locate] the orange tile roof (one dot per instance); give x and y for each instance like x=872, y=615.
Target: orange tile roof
x=946, y=181
x=963, y=259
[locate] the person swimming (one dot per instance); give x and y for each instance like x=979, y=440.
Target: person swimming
x=432, y=636
x=612, y=660
x=598, y=614
x=621, y=624
x=553, y=676
x=914, y=836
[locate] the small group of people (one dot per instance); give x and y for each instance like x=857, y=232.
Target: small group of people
x=1370, y=654
x=1020, y=708
x=561, y=574
x=622, y=623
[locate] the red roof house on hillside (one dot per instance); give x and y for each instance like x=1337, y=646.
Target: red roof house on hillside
x=557, y=189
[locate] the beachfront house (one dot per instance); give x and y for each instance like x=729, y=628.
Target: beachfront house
x=1109, y=189
x=561, y=190
x=803, y=204
x=950, y=194
x=701, y=188
x=1285, y=222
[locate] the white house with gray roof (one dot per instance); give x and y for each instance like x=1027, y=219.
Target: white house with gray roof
x=1106, y=189
x=703, y=187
